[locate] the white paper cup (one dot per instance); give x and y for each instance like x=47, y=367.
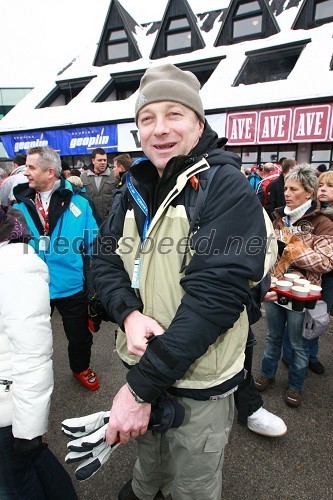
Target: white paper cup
x=291, y=277
x=300, y=291
x=284, y=286
x=273, y=281
x=302, y=282
x=314, y=290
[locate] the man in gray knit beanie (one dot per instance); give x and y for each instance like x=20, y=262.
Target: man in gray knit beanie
x=181, y=311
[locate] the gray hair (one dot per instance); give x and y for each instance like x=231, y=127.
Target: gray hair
x=48, y=158
x=306, y=175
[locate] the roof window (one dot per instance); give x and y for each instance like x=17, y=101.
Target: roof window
x=116, y=45
x=313, y=13
x=269, y=65
x=64, y=92
x=247, y=19
x=178, y=34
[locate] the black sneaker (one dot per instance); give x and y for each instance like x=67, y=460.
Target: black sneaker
x=127, y=493
x=317, y=367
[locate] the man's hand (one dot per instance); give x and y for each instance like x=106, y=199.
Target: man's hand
x=128, y=419
x=139, y=328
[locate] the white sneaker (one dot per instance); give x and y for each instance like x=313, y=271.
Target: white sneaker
x=267, y=424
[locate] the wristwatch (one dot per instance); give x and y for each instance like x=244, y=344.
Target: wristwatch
x=134, y=394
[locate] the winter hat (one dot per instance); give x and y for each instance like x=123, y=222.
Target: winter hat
x=322, y=167
x=169, y=83
x=12, y=225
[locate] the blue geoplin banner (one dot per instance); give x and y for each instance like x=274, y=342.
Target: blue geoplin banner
x=71, y=141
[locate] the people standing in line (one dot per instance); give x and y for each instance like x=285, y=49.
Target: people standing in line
x=325, y=196
x=28, y=469
x=181, y=310
x=269, y=173
x=16, y=176
x=63, y=230
x=66, y=170
x=306, y=248
x=255, y=177
x=321, y=169
x=121, y=164
x=275, y=190
x=3, y=175
x=100, y=183
x=75, y=172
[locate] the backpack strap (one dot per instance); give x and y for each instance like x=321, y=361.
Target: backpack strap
x=195, y=198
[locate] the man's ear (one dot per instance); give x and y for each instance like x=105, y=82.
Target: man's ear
x=201, y=128
x=51, y=173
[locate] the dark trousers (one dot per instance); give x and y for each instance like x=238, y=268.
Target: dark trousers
x=247, y=398
x=74, y=314
x=36, y=477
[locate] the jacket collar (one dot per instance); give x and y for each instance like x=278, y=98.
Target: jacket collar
x=18, y=170
x=24, y=191
x=107, y=172
x=313, y=211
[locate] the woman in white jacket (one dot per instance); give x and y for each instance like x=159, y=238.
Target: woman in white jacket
x=28, y=469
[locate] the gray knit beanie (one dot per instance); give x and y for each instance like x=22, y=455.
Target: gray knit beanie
x=169, y=83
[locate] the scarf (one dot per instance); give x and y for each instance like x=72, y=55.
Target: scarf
x=298, y=212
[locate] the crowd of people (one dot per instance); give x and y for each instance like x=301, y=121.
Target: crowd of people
x=165, y=244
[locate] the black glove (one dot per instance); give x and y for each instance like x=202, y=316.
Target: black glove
x=97, y=313
x=27, y=447
x=165, y=413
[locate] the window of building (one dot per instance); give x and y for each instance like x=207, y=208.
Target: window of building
x=322, y=153
x=314, y=13
x=323, y=10
x=287, y=151
x=64, y=92
x=9, y=97
x=247, y=20
x=178, y=34
x=116, y=45
x=117, y=42
x=202, y=69
x=178, y=31
x=268, y=65
x=255, y=155
x=120, y=87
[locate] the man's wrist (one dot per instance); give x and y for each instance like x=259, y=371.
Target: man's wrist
x=134, y=394
x=139, y=383
x=130, y=316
